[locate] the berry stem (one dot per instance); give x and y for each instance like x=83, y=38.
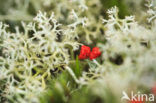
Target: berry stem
x=72, y=74
x=96, y=62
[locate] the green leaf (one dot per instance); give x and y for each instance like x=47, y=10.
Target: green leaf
x=78, y=69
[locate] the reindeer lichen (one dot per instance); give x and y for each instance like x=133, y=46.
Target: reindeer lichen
x=29, y=57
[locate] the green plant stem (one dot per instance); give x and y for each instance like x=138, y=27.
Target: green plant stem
x=70, y=71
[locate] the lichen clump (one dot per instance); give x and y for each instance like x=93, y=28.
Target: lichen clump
x=29, y=57
x=38, y=53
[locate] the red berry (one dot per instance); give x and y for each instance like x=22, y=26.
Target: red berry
x=95, y=53
x=138, y=101
x=154, y=89
x=84, y=52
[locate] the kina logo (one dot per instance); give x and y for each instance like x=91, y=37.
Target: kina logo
x=138, y=97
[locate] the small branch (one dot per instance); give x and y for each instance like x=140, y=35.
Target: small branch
x=96, y=62
x=72, y=74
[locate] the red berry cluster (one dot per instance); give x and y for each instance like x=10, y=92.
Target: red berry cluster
x=154, y=89
x=86, y=52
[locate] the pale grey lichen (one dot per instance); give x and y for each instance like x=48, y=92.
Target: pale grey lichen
x=128, y=54
x=29, y=56
x=63, y=8
x=151, y=10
